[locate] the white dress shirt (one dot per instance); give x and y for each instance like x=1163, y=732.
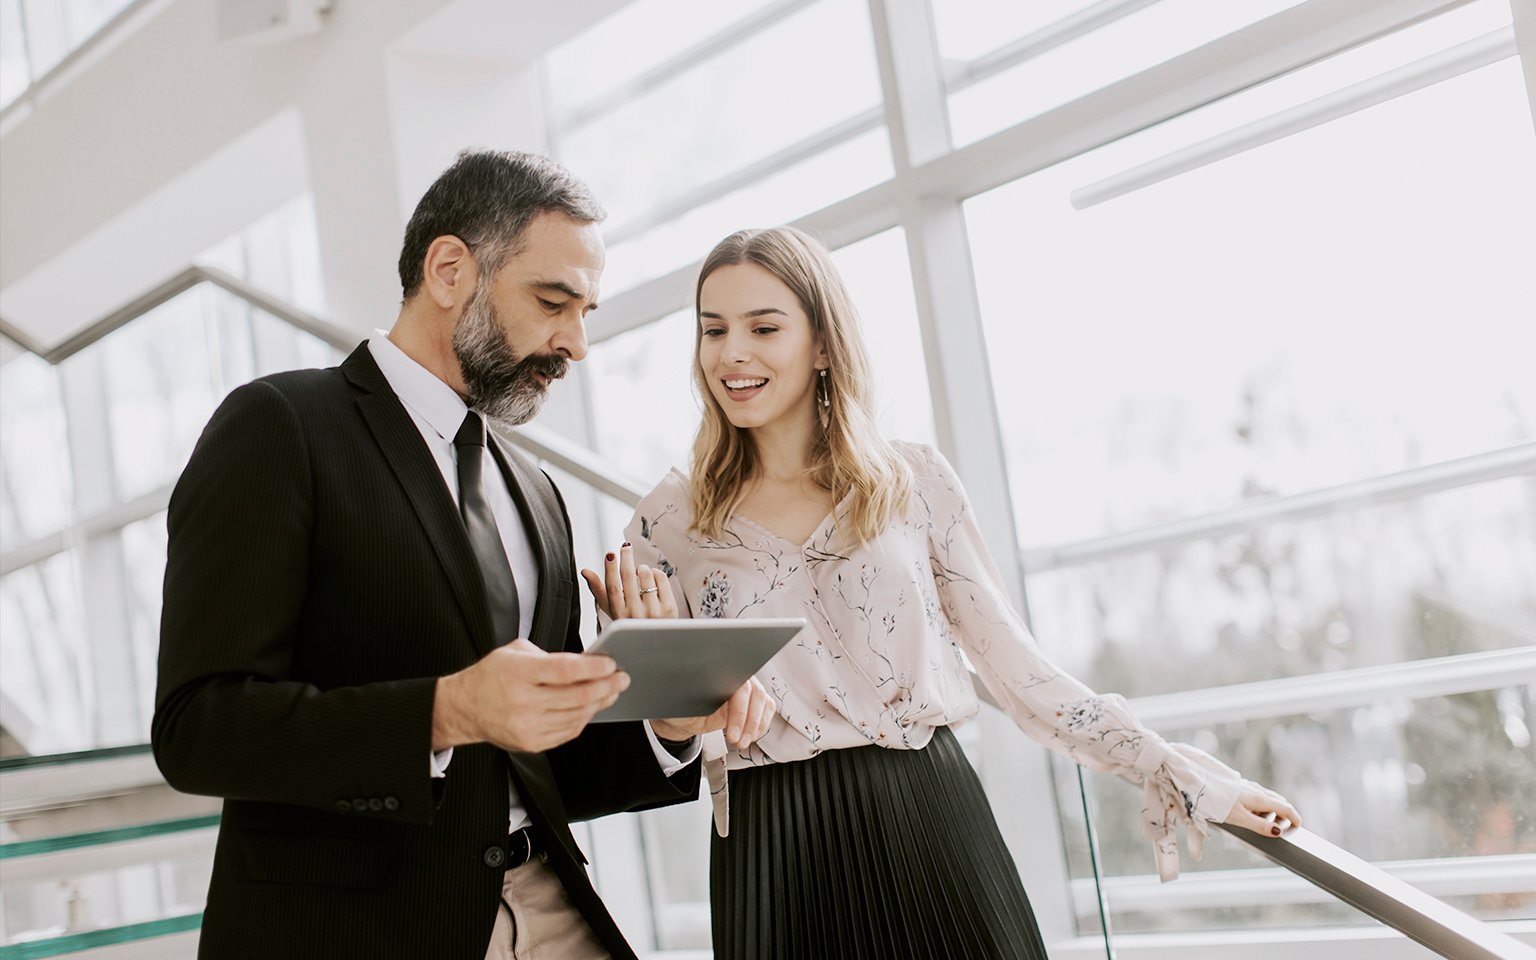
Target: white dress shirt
x=438, y=412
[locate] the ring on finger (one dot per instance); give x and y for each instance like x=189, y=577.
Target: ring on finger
x=646, y=590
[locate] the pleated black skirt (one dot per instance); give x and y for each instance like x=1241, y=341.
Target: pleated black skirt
x=867, y=854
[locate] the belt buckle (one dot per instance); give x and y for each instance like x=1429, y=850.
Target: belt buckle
x=520, y=848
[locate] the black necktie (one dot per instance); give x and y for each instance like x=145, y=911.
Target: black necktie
x=500, y=588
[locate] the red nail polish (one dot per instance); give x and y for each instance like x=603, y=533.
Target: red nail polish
x=1275, y=831
x=610, y=558
x=624, y=544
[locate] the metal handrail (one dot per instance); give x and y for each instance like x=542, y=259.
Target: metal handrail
x=1376, y=893
x=545, y=444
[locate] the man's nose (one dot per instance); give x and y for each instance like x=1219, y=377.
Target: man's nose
x=571, y=339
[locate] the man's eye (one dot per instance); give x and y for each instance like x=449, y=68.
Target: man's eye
x=549, y=304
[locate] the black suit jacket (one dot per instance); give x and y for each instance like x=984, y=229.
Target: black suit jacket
x=318, y=581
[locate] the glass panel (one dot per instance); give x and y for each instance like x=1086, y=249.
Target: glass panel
x=45, y=33
x=15, y=73
x=86, y=17
x=807, y=186
x=966, y=29
x=1269, y=323
x=143, y=546
x=161, y=383
x=99, y=902
x=645, y=409
x=879, y=280
x=280, y=253
x=1413, y=785
x=1142, y=39
x=639, y=37
x=676, y=842
x=1450, y=573
x=730, y=110
x=42, y=644
x=36, y=483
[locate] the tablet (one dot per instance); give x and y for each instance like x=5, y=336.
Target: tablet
x=687, y=668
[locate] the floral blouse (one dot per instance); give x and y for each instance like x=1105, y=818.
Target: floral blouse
x=891, y=624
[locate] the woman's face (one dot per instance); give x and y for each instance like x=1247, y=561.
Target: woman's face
x=756, y=349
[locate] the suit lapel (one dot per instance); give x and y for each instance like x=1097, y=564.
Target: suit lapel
x=400, y=442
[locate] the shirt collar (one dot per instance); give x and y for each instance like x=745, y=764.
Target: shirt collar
x=418, y=388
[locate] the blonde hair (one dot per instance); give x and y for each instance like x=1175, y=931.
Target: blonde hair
x=849, y=457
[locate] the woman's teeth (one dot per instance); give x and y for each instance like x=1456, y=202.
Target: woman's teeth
x=744, y=384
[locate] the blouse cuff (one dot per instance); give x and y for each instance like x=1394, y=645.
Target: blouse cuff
x=1181, y=785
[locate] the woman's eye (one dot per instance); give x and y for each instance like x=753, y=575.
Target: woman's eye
x=765, y=330
x=714, y=333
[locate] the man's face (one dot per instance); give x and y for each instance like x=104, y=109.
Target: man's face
x=522, y=327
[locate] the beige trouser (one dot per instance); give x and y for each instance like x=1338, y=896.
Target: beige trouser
x=537, y=921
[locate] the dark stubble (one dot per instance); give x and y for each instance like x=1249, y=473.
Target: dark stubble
x=501, y=385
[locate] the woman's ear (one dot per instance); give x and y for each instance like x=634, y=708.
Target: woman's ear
x=449, y=272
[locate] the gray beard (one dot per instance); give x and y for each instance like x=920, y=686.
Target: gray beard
x=501, y=385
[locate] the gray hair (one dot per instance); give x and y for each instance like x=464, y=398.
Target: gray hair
x=486, y=199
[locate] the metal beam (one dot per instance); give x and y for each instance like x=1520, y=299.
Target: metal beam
x=1460, y=59
x=1518, y=460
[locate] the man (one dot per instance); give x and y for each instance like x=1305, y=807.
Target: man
x=369, y=643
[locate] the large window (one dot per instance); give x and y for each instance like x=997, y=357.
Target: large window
x=1304, y=324
x=1257, y=343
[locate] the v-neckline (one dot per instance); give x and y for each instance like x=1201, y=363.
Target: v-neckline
x=816, y=532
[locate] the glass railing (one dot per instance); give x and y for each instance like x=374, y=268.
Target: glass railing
x=183, y=928
x=69, y=892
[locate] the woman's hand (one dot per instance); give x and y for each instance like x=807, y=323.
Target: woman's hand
x=745, y=717
x=1263, y=811
x=625, y=590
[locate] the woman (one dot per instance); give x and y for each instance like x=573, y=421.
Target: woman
x=855, y=827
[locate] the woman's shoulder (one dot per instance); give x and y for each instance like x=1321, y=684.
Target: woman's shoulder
x=673, y=483
x=924, y=459
x=671, y=500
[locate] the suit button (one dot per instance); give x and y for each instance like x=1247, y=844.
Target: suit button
x=375, y=804
x=345, y=806
x=360, y=804
x=390, y=803
x=494, y=856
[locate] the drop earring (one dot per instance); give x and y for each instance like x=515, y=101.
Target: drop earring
x=823, y=399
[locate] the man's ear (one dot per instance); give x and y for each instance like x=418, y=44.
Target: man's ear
x=449, y=272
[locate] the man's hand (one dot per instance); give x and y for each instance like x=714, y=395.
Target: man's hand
x=521, y=698
x=745, y=717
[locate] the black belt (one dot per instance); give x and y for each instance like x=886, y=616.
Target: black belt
x=520, y=848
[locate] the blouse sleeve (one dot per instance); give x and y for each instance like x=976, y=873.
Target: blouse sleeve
x=1180, y=783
